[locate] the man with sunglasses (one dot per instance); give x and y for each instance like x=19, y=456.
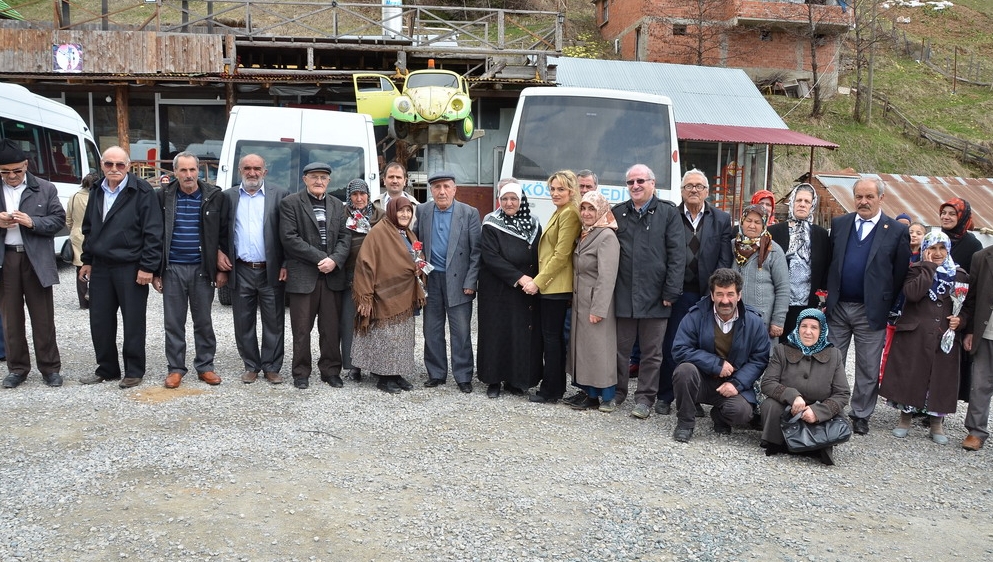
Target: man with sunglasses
x=649, y=280
x=122, y=252
x=30, y=217
x=707, y=231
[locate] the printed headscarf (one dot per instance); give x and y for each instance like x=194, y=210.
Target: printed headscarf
x=944, y=278
x=745, y=247
x=604, y=218
x=822, y=341
x=521, y=224
x=964, y=224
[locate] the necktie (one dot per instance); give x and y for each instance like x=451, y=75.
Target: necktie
x=859, y=231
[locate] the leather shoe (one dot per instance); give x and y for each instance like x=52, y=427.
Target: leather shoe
x=209, y=377
x=173, y=380
x=14, y=380
x=493, y=390
x=302, y=383
x=355, y=374
x=387, y=384
x=683, y=434
x=333, y=380
x=404, y=384
x=465, y=387
x=663, y=408
x=860, y=426
x=273, y=377
x=539, y=399
x=249, y=377
x=130, y=382
x=431, y=383
x=52, y=379
x=972, y=443
x=91, y=378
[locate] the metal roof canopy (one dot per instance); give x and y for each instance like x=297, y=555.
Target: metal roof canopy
x=750, y=135
x=710, y=103
x=918, y=196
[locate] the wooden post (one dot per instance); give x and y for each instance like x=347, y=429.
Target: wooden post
x=123, y=136
x=229, y=97
x=955, y=69
x=104, y=23
x=922, y=50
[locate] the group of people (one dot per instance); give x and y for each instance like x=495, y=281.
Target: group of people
x=764, y=315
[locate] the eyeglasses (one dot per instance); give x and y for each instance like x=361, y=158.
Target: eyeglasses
x=694, y=187
x=12, y=172
x=638, y=180
x=112, y=165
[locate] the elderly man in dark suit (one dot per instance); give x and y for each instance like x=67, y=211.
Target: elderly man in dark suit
x=869, y=259
x=316, y=240
x=450, y=233
x=122, y=251
x=30, y=217
x=253, y=261
x=707, y=232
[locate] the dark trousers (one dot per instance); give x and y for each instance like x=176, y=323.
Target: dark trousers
x=324, y=305
x=346, y=327
x=251, y=295
x=459, y=318
x=691, y=387
x=679, y=310
x=82, y=290
x=114, y=288
x=553, y=314
x=648, y=333
x=19, y=286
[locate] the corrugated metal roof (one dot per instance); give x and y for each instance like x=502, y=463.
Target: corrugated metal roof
x=699, y=94
x=918, y=196
x=755, y=135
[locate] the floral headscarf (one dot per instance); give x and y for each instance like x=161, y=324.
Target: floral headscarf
x=358, y=219
x=964, y=211
x=944, y=278
x=745, y=247
x=521, y=224
x=604, y=218
x=822, y=341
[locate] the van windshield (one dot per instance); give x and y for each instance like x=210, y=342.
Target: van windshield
x=285, y=161
x=601, y=134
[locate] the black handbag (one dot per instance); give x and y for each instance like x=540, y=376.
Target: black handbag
x=801, y=436
x=66, y=253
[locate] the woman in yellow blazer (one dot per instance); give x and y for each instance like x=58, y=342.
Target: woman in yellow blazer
x=554, y=282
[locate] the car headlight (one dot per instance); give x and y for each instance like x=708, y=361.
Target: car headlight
x=457, y=105
x=403, y=105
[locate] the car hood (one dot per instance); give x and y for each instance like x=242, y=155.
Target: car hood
x=431, y=102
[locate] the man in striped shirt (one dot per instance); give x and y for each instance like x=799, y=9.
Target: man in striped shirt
x=194, y=214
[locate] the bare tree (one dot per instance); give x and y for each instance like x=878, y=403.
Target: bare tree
x=865, y=39
x=708, y=25
x=816, y=31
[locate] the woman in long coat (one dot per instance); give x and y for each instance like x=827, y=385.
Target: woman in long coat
x=920, y=377
x=806, y=374
x=509, y=347
x=808, y=253
x=762, y=265
x=593, y=349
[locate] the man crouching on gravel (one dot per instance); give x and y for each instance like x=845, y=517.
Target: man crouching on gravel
x=721, y=349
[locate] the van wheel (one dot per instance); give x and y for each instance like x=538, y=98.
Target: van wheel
x=224, y=295
x=465, y=128
x=399, y=129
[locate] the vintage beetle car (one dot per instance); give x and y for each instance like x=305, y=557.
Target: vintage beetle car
x=433, y=96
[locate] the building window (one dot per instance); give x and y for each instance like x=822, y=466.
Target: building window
x=679, y=29
x=605, y=14
x=765, y=35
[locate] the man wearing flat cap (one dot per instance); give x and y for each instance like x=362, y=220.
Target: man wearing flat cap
x=30, y=217
x=450, y=233
x=362, y=216
x=316, y=240
x=122, y=252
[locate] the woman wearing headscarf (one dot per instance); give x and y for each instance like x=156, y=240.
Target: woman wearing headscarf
x=808, y=253
x=362, y=216
x=955, y=216
x=509, y=346
x=762, y=265
x=767, y=200
x=920, y=376
x=806, y=374
x=593, y=349
x=388, y=291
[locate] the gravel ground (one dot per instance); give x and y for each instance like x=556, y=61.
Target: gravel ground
x=259, y=472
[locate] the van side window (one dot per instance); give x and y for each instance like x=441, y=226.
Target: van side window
x=52, y=155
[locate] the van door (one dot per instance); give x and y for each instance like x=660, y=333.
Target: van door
x=374, y=95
